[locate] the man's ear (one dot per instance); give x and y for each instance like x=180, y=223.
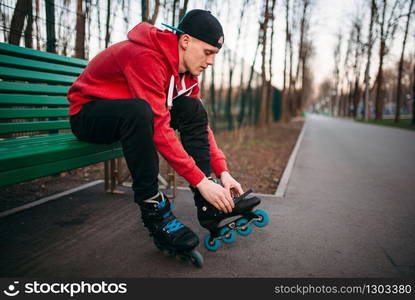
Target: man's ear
x=184, y=41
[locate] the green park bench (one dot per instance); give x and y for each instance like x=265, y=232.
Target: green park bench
x=35, y=135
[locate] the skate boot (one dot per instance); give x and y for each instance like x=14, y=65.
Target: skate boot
x=169, y=234
x=210, y=218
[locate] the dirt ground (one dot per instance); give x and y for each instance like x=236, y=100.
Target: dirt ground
x=256, y=158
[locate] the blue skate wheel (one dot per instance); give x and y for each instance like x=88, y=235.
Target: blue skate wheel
x=229, y=236
x=196, y=258
x=243, y=223
x=211, y=246
x=264, y=218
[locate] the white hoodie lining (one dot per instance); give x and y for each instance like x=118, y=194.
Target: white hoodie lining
x=179, y=93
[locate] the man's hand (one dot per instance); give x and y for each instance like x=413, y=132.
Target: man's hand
x=230, y=184
x=216, y=195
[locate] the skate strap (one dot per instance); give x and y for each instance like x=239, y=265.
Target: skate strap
x=237, y=199
x=174, y=225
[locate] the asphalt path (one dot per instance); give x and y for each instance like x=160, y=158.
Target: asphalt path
x=349, y=211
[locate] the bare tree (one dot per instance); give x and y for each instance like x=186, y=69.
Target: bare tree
x=387, y=26
x=80, y=31
x=413, y=96
x=261, y=122
x=285, y=98
x=174, y=10
x=232, y=61
x=373, y=15
x=337, y=56
x=22, y=10
x=155, y=12
x=144, y=10
x=401, y=61
x=213, y=98
x=37, y=9
x=358, y=51
x=183, y=10
x=270, y=60
x=107, y=24
x=303, y=48
x=64, y=32
x=126, y=6
x=50, y=26
x=99, y=23
x=247, y=95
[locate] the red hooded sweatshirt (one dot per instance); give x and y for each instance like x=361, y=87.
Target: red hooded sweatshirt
x=146, y=66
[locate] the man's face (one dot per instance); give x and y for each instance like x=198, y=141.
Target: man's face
x=197, y=55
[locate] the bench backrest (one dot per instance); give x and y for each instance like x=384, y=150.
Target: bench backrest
x=33, y=89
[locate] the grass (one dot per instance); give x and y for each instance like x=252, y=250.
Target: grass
x=403, y=123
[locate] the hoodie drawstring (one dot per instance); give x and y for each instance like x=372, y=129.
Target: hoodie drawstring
x=170, y=93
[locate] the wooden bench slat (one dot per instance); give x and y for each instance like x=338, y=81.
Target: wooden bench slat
x=32, y=88
x=45, y=138
x=35, y=76
x=33, y=126
x=35, y=139
x=29, y=64
x=32, y=172
x=34, y=154
x=16, y=99
x=16, y=113
x=39, y=55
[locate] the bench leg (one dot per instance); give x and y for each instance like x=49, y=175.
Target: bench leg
x=106, y=176
x=111, y=175
x=171, y=181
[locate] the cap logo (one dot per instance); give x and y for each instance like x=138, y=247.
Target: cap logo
x=220, y=41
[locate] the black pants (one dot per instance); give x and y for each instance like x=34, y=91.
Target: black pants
x=130, y=121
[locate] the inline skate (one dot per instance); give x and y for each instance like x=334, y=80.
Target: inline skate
x=169, y=234
x=210, y=218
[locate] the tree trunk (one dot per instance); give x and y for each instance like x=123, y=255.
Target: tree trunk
x=50, y=26
x=228, y=108
x=356, y=93
x=213, y=99
x=379, y=79
x=356, y=98
x=107, y=25
x=400, y=71
x=155, y=12
x=22, y=9
x=379, y=85
x=28, y=33
x=413, y=98
x=247, y=95
x=144, y=10
x=37, y=25
x=369, y=58
x=183, y=10
x=80, y=31
x=284, y=98
x=261, y=122
x=270, y=98
x=174, y=11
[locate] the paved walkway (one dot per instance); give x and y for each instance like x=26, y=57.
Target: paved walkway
x=349, y=211
x=350, y=203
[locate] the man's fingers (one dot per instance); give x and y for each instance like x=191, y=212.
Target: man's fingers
x=230, y=200
x=240, y=190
